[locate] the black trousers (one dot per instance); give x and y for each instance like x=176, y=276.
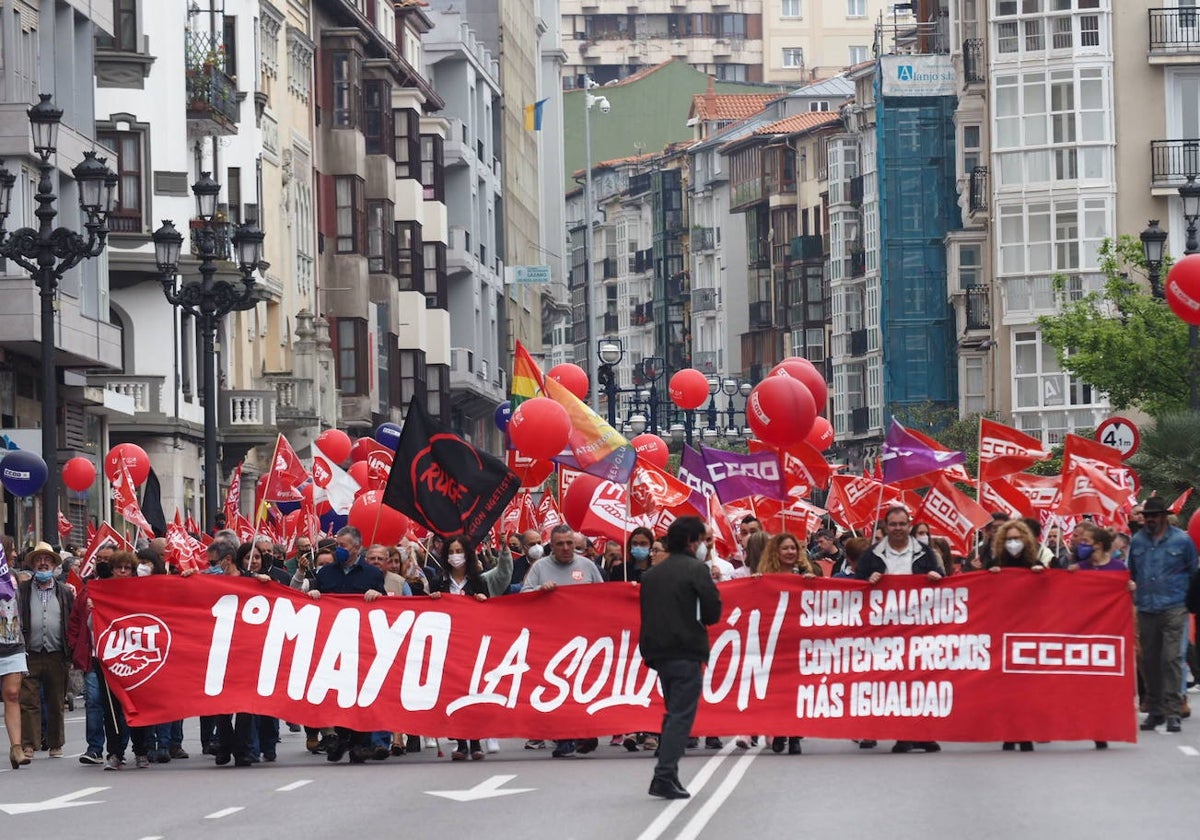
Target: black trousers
x=233, y=734
x=681, y=682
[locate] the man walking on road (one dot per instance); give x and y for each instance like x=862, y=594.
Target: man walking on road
x=678, y=600
x=1162, y=560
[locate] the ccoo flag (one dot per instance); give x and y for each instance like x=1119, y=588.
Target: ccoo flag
x=904, y=456
x=443, y=483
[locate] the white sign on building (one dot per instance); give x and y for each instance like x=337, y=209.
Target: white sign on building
x=918, y=75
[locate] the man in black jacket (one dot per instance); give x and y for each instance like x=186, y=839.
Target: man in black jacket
x=678, y=600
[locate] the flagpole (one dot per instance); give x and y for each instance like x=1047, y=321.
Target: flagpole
x=979, y=462
x=625, y=528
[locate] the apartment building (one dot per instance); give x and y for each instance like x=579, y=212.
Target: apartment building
x=807, y=40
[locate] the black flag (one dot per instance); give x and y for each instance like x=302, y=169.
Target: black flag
x=443, y=483
x=152, y=507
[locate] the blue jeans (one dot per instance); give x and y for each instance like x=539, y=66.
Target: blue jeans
x=381, y=739
x=94, y=713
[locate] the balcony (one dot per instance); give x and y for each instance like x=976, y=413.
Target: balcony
x=145, y=391
x=295, y=403
x=703, y=239
x=459, y=257
x=704, y=300
x=638, y=184
x=705, y=361
x=609, y=268
x=222, y=238
x=858, y=342
x=974, y=64
x=978, y=309
x=247, y=417
x=761, y=314
x=1171, y=161
x=212, y=97
x=641, y=314
x=978, y=197
x=858, y=262
x=856, y=190
x=611, y=322
x=860, y=421
x=807, y=248
x=473, y=385
x=1174, y=35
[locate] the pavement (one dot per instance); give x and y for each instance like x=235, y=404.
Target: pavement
x=1061, y=791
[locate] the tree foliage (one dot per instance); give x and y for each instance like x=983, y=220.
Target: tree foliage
x=1122, y=340
x=1168, y=459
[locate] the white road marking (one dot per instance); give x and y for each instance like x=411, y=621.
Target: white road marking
x=294, y=786
x=489, y=788
x=699, y=821
x=66, y=800
x=1192, y=751
x=224, y=812
x=152, y=837
x=671, y=811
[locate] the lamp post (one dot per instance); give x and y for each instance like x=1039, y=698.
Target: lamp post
x=730, y=387
x=610, y=353
x=589, y=211
x=208, y=300
x=47, y=253
x=1154, y=242
x=714, y=388
x=652, y=371
x=1190, y=194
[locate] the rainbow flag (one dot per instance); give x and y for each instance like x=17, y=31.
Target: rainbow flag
x=594, y=446
x=526, y=378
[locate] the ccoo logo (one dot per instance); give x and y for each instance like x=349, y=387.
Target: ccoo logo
x=134, y=647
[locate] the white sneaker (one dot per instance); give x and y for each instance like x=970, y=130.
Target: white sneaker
x=429, y=743
x=492, y=745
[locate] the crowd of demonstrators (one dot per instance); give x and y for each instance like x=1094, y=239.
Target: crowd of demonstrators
x=46, y=627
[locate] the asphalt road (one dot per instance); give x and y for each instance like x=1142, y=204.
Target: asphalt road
x=1060, y=791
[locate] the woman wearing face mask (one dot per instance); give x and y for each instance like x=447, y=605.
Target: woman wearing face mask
x=1014, y=546
x=463, y=577
x=637, y=549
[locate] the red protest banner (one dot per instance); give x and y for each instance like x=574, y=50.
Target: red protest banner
x=955, y=661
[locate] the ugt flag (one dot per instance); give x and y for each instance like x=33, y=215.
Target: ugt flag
x=443, y=483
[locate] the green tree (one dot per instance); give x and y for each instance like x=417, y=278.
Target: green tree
x=1122, y=340
x=1168, y=459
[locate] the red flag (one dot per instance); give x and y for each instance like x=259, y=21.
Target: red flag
x=1041, y=490
x=192, y=526
x=533, y=473
x=285, y=475
x=91, y=532
x=1176, y=506
x=511, y=518
x=75, y=582
x=853, y=501
x=126, y=501
x=64, y=527
x=878, y=469
x=1000, y=495
x=105, y=535
x=653, y=490
x=1004, y=450
x=802, y=465
x=243, y=527
x=311, y=522
x=233, y=496
x=184, y=551
x=796, y=516
x=1081, y=448
x=1088, y=489
x=723, y=535
x=952, y=514
x=548, y=515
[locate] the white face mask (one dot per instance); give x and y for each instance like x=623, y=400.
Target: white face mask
x=702, y=552
x=923, y=539
x=457, y=560
x=1014, y=547
x=145, y=570
x=535, y=552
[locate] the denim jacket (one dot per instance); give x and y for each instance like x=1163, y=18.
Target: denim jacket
x=1161, y=569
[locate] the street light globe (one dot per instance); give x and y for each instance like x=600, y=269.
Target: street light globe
x=637, y=423
x=710, y=435
x=610, y=353
x=677, y=432
x=746, y=389
x=733, y=433
x=729, y=386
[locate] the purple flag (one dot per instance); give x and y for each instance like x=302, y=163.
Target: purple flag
x=7, y=590
x=736, y=476
x=692, y=473
x=904, y=456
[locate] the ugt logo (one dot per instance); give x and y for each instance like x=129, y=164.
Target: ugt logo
x=905, y=73
x=134, y=647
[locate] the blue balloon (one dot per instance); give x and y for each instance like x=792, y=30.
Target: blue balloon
x=503, y=415
x=22, y=472
x=388, y=434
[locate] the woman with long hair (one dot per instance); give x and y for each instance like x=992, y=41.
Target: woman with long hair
x=1014, y=547
x=12, y=664
x=785, y=555
x=462, y=577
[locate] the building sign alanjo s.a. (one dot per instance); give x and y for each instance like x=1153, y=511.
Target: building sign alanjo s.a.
x=918, y=75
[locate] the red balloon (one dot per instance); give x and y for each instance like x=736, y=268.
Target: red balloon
x=781, y=411
x=136, y=461
x=652, y=448
x=539, y=428
x=1194, y=527
x=360, y=471
x=377, y=522
x=821, y=436
x=578, y=498
x=362, y=448
x=572, y=377
x=689, y=389
x=335, y=444
x=1183, y=288
x=79, y=474
x=805, y=371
